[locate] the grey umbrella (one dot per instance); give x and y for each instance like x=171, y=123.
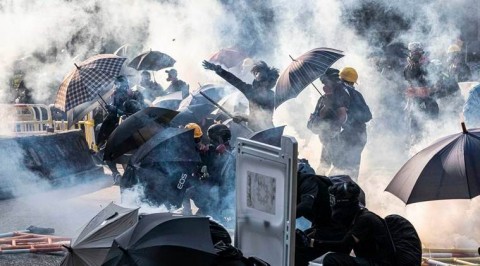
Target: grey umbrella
x=447, y=169
x=303, y=71
x=271, y=136
x=164, y=239
x=93, y=243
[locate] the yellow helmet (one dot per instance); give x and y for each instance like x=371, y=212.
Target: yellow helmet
x=197, y=131
x=453, y=49
x=349, y=74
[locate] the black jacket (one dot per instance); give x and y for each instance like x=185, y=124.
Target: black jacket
x=313, y=199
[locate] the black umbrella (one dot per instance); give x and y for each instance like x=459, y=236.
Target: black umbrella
x=303, y=71
x=164, y=166
x=447, y=169
x=271, y=136
x=87, y=80
x=170, y=101
x=152, y=60
x=214, y=92
x=136, y=130
x=164, y=239
x=93, y=243
x=193, y=114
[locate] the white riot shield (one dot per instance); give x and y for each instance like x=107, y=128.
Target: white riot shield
x=266, y=180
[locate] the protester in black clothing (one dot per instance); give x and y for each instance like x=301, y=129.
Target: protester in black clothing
x=312, y=196
x=259, y=93
x=420, y=105
x=457, y=68
x=152, y=88
x=354, y=134
x=216, y=175
x=328, y=117
x=176, y=84
x=21, y=94
x=367, y=233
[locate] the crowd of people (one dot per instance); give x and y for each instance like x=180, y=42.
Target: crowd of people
x=335, y=205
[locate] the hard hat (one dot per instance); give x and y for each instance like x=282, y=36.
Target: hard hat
x=349, y=74
x=197, y=131
x=453, y=49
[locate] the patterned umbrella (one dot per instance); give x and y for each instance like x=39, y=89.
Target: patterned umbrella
x=87, y=80
x=303, y=71
x=152, y=60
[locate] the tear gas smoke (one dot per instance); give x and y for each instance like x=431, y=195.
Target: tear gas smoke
x=190, y=31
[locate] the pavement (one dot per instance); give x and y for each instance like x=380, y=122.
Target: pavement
x=66, y=210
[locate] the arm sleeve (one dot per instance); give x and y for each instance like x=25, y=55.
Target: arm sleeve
x=236, y=82
x=308, y=192
x=345, y=245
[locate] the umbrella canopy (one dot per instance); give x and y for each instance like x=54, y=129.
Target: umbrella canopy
x=193, y=114
x=136, y=130
x=87, y=80
x=80, y=111
x=303, y=71
x=228, y=57
x=152, y=60
x=164, y=239
x=447, y=169
x=170, y=101
x=164, y=166
x=93, y=243
x=213, y=91
x=271, y=136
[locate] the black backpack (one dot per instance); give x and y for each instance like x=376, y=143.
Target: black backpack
x=358, y=111
x=406, y=243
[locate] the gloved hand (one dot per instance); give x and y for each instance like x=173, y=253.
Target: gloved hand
x=210, y=66
x=238, y=118
x=301, y=239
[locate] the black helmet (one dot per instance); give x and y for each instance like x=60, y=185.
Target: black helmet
x=330, y=74
x=347, y=192
x=219, y=134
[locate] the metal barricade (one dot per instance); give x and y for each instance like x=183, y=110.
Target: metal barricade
x=25, y=119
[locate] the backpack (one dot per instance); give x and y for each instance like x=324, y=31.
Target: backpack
x=406, y=243
x=358, y=111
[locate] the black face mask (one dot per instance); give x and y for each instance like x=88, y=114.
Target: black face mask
x=345, y=213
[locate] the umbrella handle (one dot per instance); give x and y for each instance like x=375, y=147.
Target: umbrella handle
x=321, y=94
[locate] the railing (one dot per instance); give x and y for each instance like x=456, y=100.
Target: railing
x=30, y=119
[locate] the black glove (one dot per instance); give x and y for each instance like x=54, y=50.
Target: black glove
x=210, y=66
x=301, y=239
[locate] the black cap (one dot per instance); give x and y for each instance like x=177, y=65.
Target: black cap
x=330, y=74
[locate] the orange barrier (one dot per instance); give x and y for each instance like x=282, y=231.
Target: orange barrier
x=32, y=243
